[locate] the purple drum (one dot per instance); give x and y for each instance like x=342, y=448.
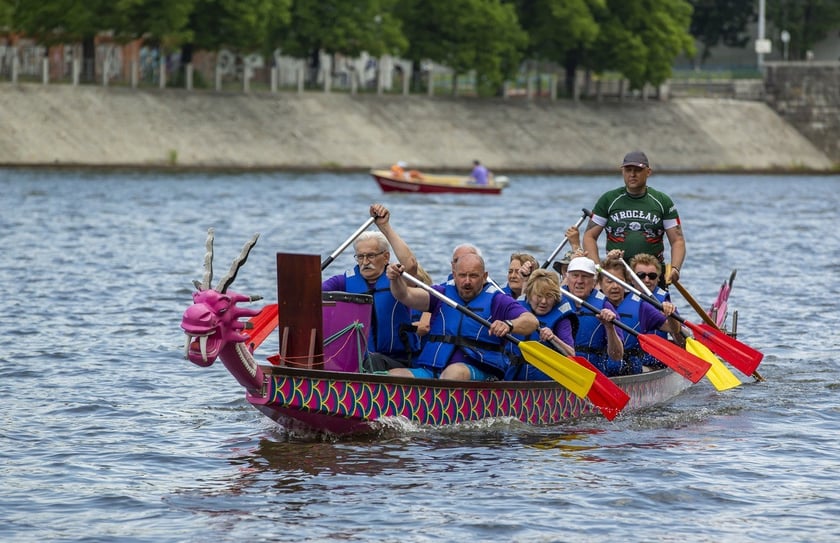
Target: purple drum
x=346, y=327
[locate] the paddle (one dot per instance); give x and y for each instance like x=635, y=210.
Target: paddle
x=607, y=396
x=261, y=325
x=577, y=379
x=707, y=320
x=718, y=310
x=719, y=375
x=344, y=245
x=682, y=362
x=742, y=357
x=547, y=263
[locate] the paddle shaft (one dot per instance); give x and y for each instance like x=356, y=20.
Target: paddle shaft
x=547, y=263
x=344, y=245
x=636, y=278
x=696, y=306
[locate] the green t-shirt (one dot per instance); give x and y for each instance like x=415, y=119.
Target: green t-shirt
x=636, y=224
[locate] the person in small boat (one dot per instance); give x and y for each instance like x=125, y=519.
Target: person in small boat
x=597, y=338
x=637, y=218
x=557, y=324
x=479, y=174
x=519, y=262
x=459, y=347
x=392, y=338
x=637, y=314
x=398, y=170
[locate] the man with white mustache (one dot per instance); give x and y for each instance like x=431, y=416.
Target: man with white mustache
x=392, y=338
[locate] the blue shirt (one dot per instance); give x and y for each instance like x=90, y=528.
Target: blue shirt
x=479, y=173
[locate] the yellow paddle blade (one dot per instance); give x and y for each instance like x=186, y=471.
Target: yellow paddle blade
x=719, y=375
x=561, y=368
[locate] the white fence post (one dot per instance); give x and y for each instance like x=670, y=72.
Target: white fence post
x=218, y=78
x=188, y=69
x=76, y=68
x=133, y=76
x=300, y=78
x=274, y=77
x=45, y=71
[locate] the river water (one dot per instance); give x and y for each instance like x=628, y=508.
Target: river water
x=108, y=434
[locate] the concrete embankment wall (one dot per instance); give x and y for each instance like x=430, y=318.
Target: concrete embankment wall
x=94, y=126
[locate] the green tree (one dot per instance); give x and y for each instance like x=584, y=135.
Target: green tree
x=561, y=31
x=65, y=21
x=159, y=22
x=807, y=21
x=716, y=22
x=343, y=26
x=480, y=35
x=240, y=25
x=641, y=39
x=7, y=9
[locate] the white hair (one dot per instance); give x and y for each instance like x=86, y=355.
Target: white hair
x=379, y=237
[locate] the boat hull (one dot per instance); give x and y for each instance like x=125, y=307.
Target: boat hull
x=347, y=403
x=432, y=184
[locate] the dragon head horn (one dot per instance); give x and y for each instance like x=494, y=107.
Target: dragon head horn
x=208, y=263
x=227, y=280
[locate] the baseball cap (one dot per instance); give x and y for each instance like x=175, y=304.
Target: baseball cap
x=584, y=264
x=636, y=158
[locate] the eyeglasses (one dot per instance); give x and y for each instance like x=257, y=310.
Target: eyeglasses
x=653, y=276
x=367, y=256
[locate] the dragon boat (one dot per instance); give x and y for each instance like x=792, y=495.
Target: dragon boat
x=313, y=382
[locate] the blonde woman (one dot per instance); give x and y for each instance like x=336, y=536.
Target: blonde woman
x=557, y=323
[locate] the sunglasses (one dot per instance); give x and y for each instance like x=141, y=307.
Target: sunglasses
x=653, y=276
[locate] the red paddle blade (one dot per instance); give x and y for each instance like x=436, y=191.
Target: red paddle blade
x=604, y=394
x=682, y=362
x=742, y=357
x=263, y=324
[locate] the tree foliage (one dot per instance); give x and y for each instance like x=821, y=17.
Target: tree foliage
x=807, y=21
x=480, y=35
x=641, y=39
x=721, y=22
x=342, y=26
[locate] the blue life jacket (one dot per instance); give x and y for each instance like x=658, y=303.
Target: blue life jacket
x=391, y=331
x=520, y=370
x=663, y=296
x=629, y=311
x=451, y=329
x=591, y=337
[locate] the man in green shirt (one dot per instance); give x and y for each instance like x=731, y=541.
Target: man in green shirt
x=637, y=218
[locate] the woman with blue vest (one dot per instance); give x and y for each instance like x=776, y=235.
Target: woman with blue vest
x=637, y=314
x=597, y=339
x=557, y=323
x=460, y=347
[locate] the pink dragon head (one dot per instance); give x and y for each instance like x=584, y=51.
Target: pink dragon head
x=212, y=323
